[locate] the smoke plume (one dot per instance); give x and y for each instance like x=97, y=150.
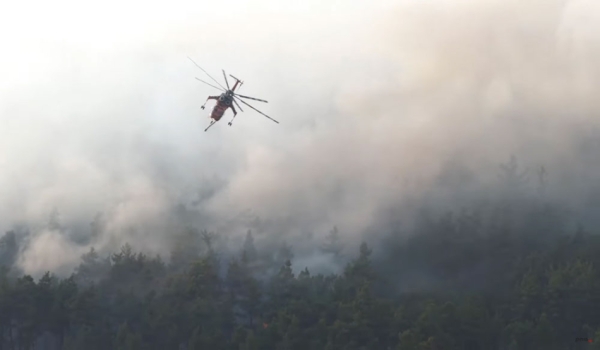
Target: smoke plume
x=381, y=108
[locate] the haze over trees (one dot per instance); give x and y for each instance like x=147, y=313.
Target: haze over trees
x=512, y=275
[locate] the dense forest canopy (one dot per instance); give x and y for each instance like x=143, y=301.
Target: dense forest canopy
x=486, y=277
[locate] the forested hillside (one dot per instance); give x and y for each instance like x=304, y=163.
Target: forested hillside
x=486, y=289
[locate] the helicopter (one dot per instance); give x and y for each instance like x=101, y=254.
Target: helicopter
x=227, y=99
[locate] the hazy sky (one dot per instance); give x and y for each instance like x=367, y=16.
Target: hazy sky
x=100, y=111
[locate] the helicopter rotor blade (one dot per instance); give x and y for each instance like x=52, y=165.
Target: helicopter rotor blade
x=252, y=98
x=206, y=73
x=212, y=122
x=237, y=104
x=209, y=84
x=226, y=82
x=244, y=102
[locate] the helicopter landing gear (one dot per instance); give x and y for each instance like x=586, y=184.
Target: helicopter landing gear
x=232, y=120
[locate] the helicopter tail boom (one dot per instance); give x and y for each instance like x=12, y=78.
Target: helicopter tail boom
x=236, y=82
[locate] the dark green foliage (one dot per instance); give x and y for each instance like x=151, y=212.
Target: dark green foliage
x=136, y=306
x=462, y=282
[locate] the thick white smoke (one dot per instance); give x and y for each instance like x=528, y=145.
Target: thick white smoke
x=100, y=111
x=468, y=83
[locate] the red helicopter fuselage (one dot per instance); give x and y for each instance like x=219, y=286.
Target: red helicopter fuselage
x=218, y=110
x=224, y=102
